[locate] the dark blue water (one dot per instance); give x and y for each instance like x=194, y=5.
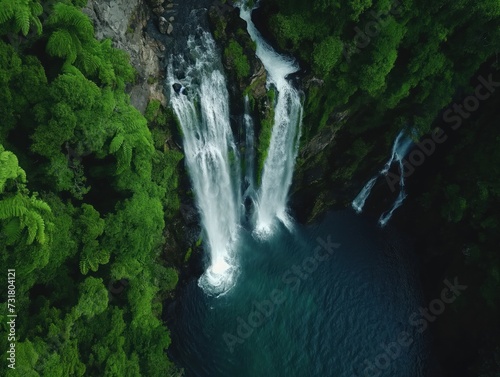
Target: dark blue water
x=332, y=299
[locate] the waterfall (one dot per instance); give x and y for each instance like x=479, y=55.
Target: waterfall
x=278, y=167
x=359, y=202
x=400, y=148
x=386, y=216
x=199, y=98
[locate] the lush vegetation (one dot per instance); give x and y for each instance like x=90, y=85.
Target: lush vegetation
x=234, y=54
x=88, y=184
x=86, y=188
x=372, y=68
x=265, y=133
x=407, y=55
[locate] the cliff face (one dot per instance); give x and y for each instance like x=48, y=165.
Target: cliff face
x=124, y=22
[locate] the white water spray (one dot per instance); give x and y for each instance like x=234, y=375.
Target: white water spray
x=202, y=107
x=400, y=148
x=359, y=202
x=278, y=167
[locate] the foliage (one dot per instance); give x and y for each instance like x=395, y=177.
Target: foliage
x=265, y=133
x=19, y=16
x=326, y=54
x=84, y=194
x=238, y=60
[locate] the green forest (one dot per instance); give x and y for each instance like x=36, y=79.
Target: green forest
x=86, y=188
x=88, y=184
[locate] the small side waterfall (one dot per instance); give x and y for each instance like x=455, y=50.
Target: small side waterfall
x=359, y=202
x=199, y=97
x=400, y=148
x=278, y=167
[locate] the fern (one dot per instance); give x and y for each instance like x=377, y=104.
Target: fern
x=93, y=265
x=12, y=207
x=30, y=223
x=89, y=62
x=60, y=44
x=22, y=17
x=39, y=204
x=9, y=168
x=12, y=230
x=35, y=21
x=91, y=260
x=70, y=69
x=103, y=257
x=6, y=11
x=84, y=268
x=70, y=18
x=124, y=156
x=40, y=227
x=36, y=8
x=116, y=143
x=22, y=13
x=28, y=211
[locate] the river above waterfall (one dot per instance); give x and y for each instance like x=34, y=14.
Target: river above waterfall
x=331, y=299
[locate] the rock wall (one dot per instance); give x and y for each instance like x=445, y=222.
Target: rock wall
x=124, y=22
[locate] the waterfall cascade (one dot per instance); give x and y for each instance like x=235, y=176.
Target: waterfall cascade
x=359, y=202
x=199, y=98
x=278, y=167
x=201, y=103
x=400, y=148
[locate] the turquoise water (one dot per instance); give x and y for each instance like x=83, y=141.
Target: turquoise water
x=331, y=299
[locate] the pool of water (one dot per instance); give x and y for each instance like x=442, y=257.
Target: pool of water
x=330, y=299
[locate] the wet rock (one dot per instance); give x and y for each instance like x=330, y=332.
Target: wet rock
x=189, y=214
x=124, y=22
x=177, y=87
x=170, y=28
x=163, y=25
x=158, y=10
x=155, y=3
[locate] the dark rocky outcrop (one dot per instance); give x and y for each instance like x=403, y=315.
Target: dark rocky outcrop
x=124, y=22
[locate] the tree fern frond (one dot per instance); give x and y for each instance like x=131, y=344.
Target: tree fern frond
x=72, y=19
x=60, y=44
x=38, y=25
x=124, y=158
x=89, y=62
x=12, y=207
x=22, y=18
x=36, y=8
x=103, y=257
x=93, y=265
x=6, y=11
x=116, y=143
x=40, y=204
x=84, y=268
x=12, y=230
x=38, y=228
x=9, y=168
x=30, y=222
x=69, y=68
